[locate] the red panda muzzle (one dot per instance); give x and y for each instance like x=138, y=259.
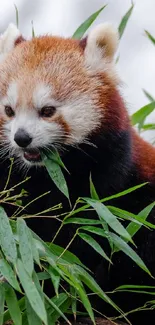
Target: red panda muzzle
x=32, y=155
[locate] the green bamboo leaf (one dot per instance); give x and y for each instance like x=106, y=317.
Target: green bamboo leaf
x=138, y=219
x=93, y=243
x=54, y=155
x=21, y=304
x=73, y=301
x=132, y=286
x=150, y=97
x=55, y=306
x=140, y=115
x=17, y=16
x=33, y=32
x=7, y=241
x=93, y=192
x=67, y=256
x=34, y=249
x=88, y=22
x=55, y=277
x=148, y=127
x=77, y=284
x=13, y=306
x=2, y=300
x=64, y=308
x=83, y=221
x=32, y=317
x=25, y=246
x=43, y=276
x=31, y=291
x=9, y=274
x=132, y=228
x=106, y=215
x=152, y=39
x=111, y=197
x=56, y=175
x=124, y=21
x=124, y=247
x=92, y=285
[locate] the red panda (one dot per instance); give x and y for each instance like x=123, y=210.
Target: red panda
x=63, y=93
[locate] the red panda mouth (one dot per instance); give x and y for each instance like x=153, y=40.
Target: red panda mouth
x=32, y=155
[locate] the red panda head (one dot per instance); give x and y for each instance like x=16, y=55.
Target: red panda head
x=54, y=91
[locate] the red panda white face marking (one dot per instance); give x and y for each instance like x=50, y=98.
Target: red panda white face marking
x=51, y=86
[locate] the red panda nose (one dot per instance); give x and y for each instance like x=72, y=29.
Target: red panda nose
x=22, y=138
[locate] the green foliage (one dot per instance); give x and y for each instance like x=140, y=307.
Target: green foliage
x=84, y=27
x=124, y=21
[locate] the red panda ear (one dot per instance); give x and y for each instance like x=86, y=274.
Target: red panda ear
x=9, y=39
x=101, y=45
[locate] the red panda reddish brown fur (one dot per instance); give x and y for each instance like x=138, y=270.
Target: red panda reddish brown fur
x=82, y=74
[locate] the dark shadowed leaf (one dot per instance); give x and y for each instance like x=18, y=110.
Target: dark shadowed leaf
x=2, y=300
x=7, y=241
x=124, y=21
x=9, y=274
x=25, y=245
x=31, y=292
x=56, y=307
x=13, y=306
x=87, y=23
x=93, y=243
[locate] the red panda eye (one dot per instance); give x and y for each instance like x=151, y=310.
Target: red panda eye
x=47, y=111
x=9, y=111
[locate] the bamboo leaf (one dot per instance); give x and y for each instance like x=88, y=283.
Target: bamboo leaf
x=55, y=277
x=106, y=215
x=56, y=308
x=88, y=22
x=140, y=116
x=93, y=243
x=83, y=221
x=7, y=241
x=17, y=16
x=2, y=300
x=132, y=228
x=25, y=245
x=32, y=317
x=152, y=39
x=9, y=274
x=124, y=247
x=148, y=95
x=93, y=192
x=91, y=284
x=31, y=291
x=56, y=175
x=124, y=21
x=13, y=306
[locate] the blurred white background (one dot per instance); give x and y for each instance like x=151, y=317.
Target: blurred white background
x=136, y=65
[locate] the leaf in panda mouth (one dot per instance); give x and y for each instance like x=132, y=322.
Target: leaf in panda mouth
x=53, y=164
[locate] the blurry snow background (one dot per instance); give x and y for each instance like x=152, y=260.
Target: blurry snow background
x=136, y=65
